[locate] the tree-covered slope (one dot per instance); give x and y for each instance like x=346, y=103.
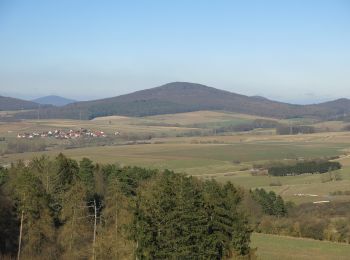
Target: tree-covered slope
x=9, y=103
x=179, y=97
x=54, y=100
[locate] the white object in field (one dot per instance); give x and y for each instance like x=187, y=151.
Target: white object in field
x=321, y=201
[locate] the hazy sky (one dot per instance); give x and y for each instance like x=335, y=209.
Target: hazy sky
x=286, y=50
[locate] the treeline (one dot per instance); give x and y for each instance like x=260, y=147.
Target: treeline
x=304, y=167
x=329, y=221
x=64, y=209
x=270, y=214
x=295, y=129
x=249, y=126
x=281, y=129
x=270, y=203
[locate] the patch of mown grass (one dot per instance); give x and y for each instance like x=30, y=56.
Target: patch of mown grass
x=272, y=247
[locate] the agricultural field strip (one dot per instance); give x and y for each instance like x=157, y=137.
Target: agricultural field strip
x=291, y=248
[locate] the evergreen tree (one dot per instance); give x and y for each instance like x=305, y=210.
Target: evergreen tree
x=76, y=233
x=8, y=225
x=37, y=228
x=112, y=241
x=67, y=172
x=45, y=170
x=86, y=173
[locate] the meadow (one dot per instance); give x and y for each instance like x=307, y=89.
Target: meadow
x=272, y=247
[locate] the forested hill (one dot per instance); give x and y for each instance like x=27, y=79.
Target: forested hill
x=180, y=97
x=9, y=103
x=54, y=100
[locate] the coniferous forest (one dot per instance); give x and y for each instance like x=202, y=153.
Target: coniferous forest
x=59, y=208
x=63, y=209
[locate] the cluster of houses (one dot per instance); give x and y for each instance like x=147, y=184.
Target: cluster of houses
x=61, y=134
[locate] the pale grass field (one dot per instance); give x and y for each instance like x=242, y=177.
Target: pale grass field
x=225, y=158
x=272, y=247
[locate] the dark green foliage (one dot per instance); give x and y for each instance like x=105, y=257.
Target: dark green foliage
x=32, y=202
x=271, y=203
x=86, y=173
x=304, y=167
x=67, y=171
x=139, y=212
x=129, y=177
x=8, y=224
x=183, y=218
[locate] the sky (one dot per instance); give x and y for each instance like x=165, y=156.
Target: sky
x=294, y=50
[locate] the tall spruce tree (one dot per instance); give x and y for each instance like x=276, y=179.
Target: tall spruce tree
x=86, y=174
x=112, y=241
x=76, y=233
x=37, y=234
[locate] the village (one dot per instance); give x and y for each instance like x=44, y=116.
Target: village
x=64, y=134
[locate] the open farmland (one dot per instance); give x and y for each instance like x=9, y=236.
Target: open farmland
x=228, y=157
x=271, y=247
x=225, y=157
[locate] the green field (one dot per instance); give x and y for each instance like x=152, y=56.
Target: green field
x=227, y=157
x=271, y=247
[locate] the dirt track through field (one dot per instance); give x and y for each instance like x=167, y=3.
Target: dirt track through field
x=283, y=191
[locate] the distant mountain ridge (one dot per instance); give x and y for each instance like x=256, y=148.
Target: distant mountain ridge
x=9, y=103
x=177, y=97
x=54, y=100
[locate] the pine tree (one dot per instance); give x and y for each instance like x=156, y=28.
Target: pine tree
x=37, y=228
x=86, y=174
x=45, y=170
x=113, y=242
x=8, y=225
x=67, y=172
x=76, y=234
